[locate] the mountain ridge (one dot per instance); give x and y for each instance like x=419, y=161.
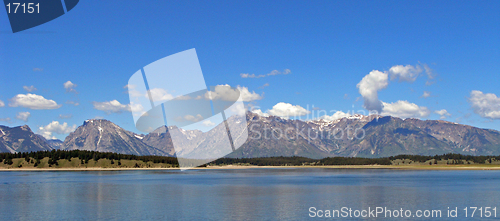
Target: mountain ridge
x=354, y=136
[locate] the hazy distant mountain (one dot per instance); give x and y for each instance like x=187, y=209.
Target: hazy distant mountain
x=160, y=139
x=104, y=136
x=21, y=139
x=56, y=143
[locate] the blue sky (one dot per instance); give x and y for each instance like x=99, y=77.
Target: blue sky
x=327, y=46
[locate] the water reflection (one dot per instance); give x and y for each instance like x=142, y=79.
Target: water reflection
x=254, y=194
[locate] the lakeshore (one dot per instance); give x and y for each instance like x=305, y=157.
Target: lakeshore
x=242, y=167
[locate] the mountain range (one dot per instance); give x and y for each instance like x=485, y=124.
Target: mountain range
x=354, y=136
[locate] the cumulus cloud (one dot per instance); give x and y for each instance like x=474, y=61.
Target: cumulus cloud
x=23, y=116
x=70, y=87
x=426, y=94
x=337, y=115
x=33, y=101
x=248, y=96
x=485, y=105
x=260, y=113
x=2, y=104
x=208, y=123
x=226, y=93
x=369, y=87
x=286, y=110
x=376, y=80
x=407, y=73
x=443, y=113
x=116, y=107
x=238, y=109
x=57, y=128
x=274, y=72
x=29, y=88
x=405, y=109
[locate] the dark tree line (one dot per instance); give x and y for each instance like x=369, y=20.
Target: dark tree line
x=265, y=161
x=455, y=158
x=355, y=161
x=84, y=156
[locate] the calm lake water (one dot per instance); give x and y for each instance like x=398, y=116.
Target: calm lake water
x=249, y=194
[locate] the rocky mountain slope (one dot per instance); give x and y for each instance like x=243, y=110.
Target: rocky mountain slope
x=364, y=136
x=21, y=139
x=104, y=136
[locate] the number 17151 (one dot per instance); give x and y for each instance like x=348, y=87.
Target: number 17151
x=480, y=211
x=30, y=8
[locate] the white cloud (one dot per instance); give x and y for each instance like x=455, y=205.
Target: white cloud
x=274, y=72
x=133, y=92
x=376, y=80
x=407, y=73
x=485, y=105
x=33, y=101
x=260, y=113
x=337, y=115
x=208, y=123
x=188, y=117
x=30, y=88
x=288, y=110
x=70, y=87
x=23, y=116
x=55, y=127
x=159, y=94
x=116, y=107
x=236, y=109
x=426, y=94
x=226, y=93
x=443, y=113
x=2, y=104
x=252, y=76
x=369, y=87
x=405, y=109
x=248, y=96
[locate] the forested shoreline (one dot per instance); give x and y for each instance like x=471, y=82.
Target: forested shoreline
x=84, y=158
